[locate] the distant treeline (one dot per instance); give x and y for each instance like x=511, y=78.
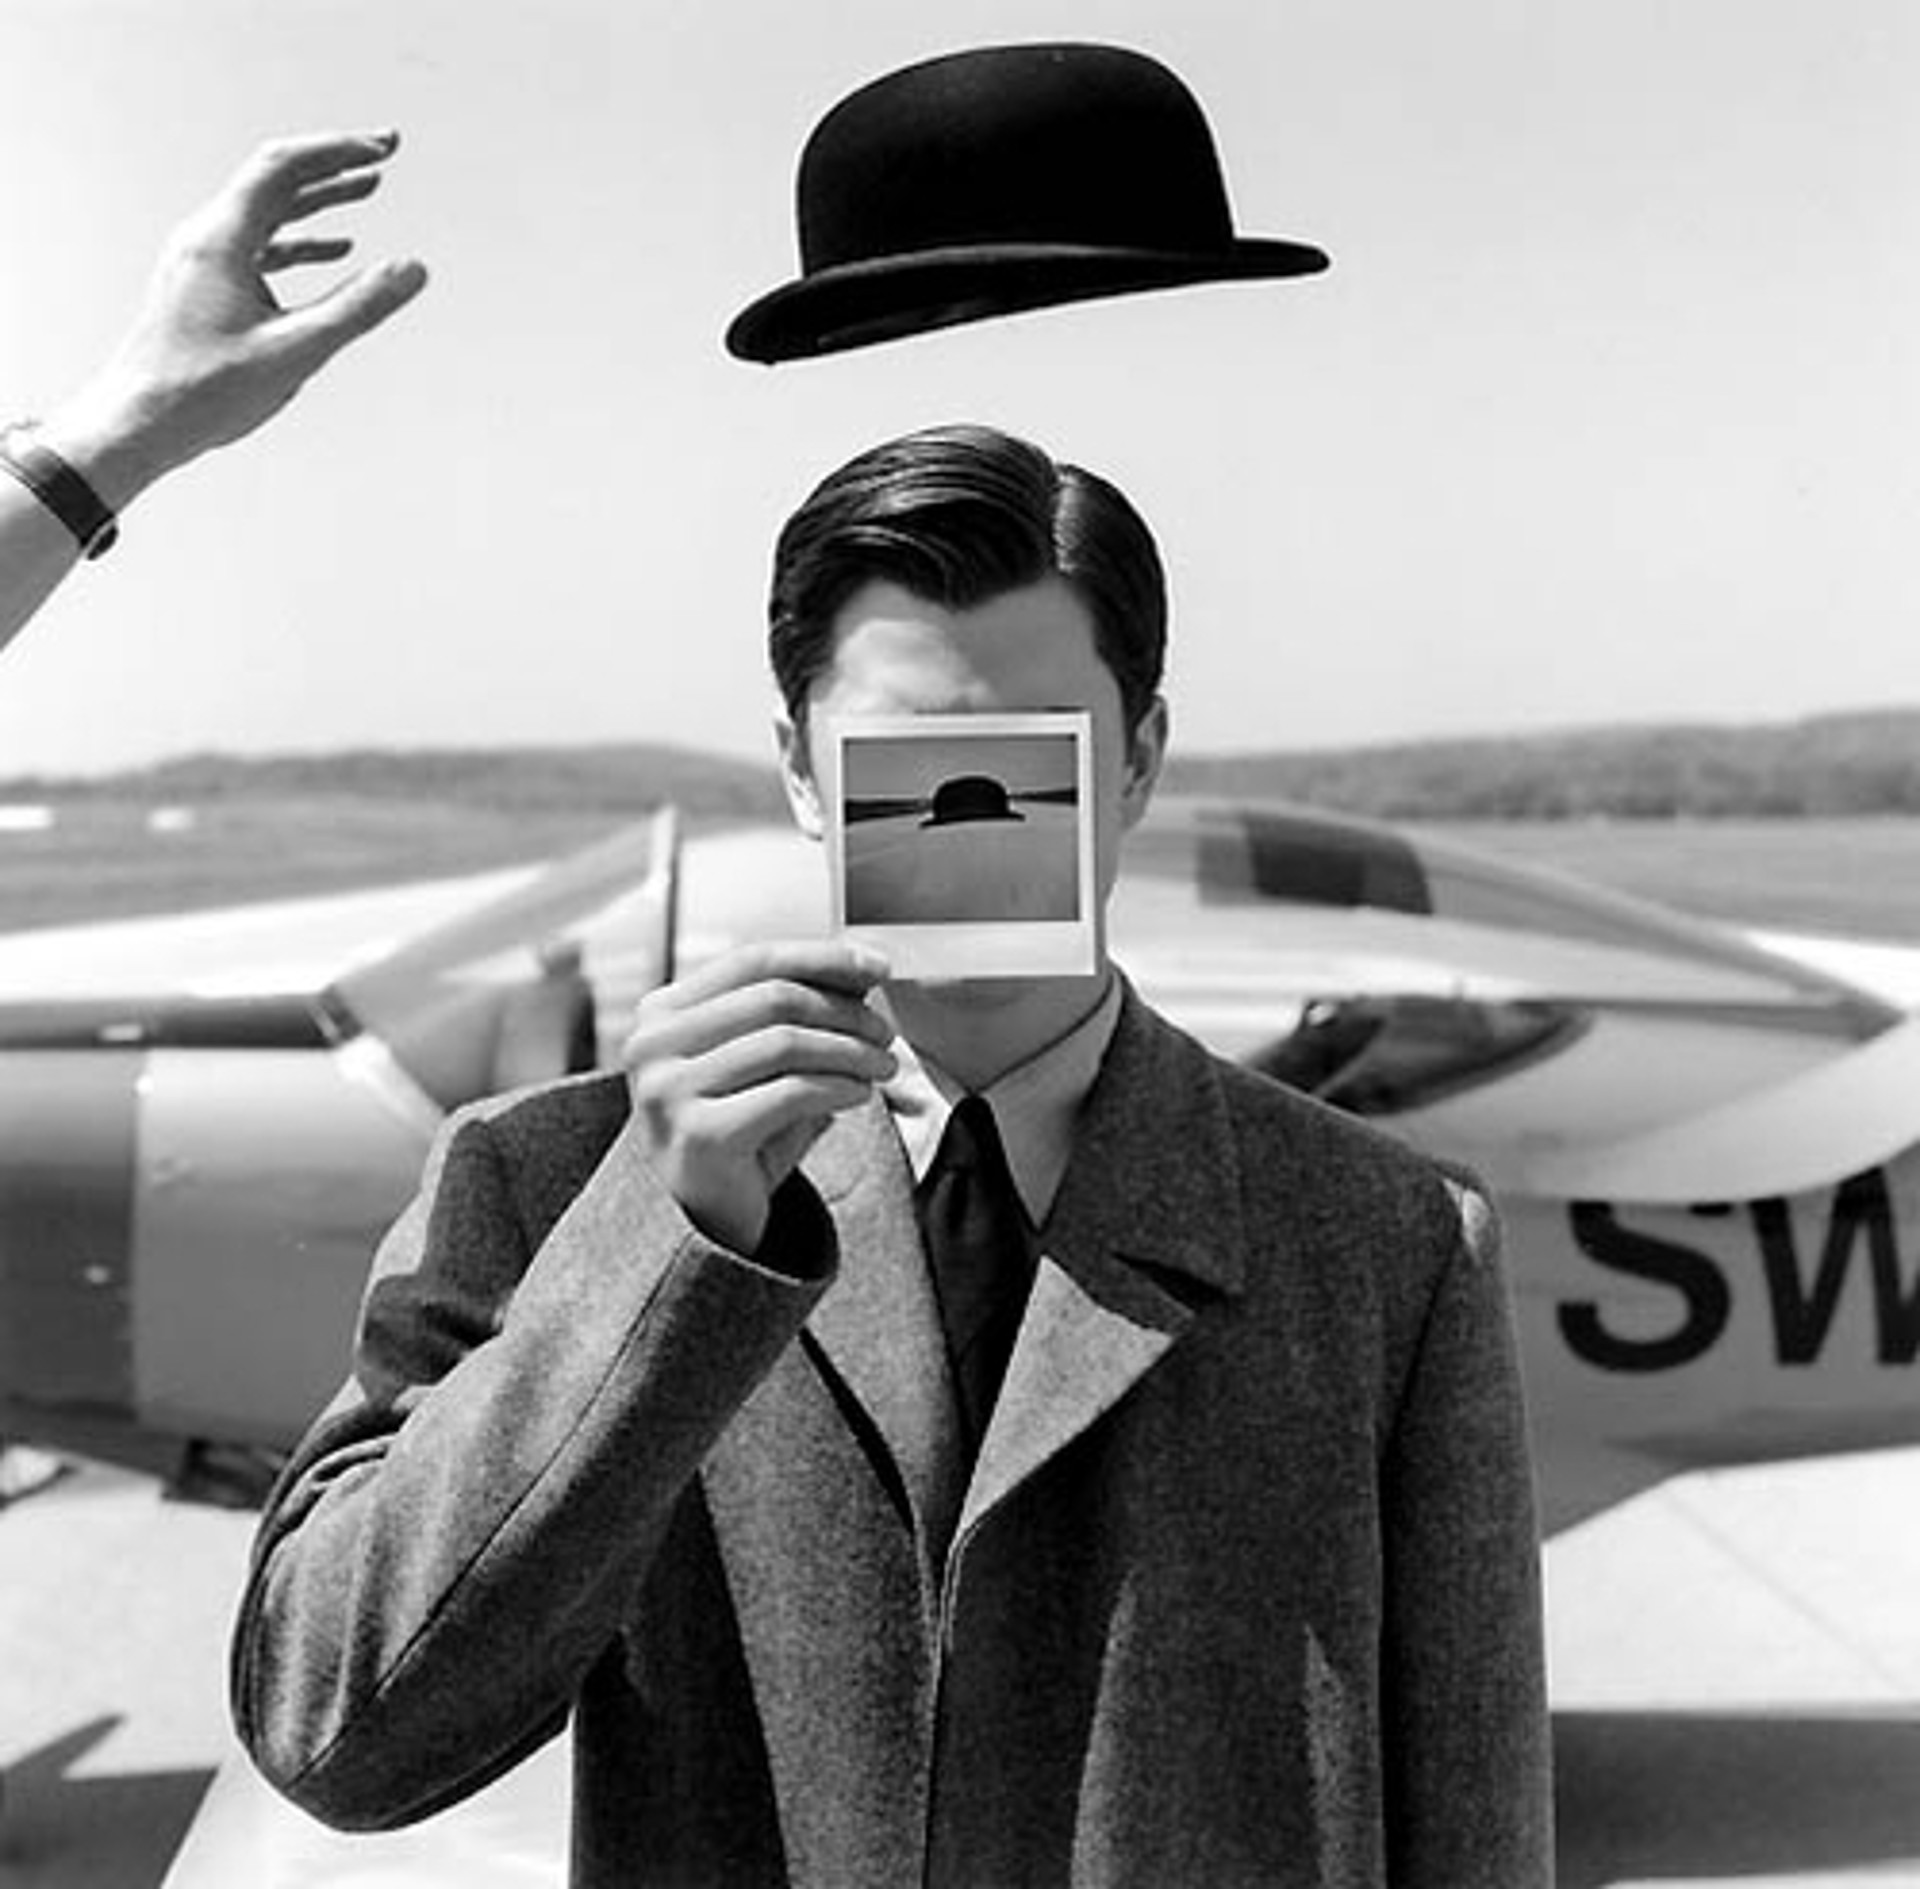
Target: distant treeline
x=1827, y=766
x=618, y=781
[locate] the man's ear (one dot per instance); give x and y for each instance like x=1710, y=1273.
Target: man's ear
x=1146, y=751
x=796, y=776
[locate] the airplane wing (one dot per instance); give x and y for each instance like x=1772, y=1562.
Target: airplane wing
x=1565, y=1041
x=436, y=999
x=1835, y=1120
x=634, y=869
x=1892, y=970
x=269, y=947
x=1811, y=1130
x=383, y=934
x=195, y=1157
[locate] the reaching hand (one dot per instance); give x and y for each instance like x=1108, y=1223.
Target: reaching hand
x=738, y=1068
x=213, y=353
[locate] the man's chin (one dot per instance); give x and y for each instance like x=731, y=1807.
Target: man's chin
x=977, y=1028
x=970, y=993
x=982, y=996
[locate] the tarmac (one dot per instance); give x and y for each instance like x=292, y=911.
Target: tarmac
x=1735, y=1662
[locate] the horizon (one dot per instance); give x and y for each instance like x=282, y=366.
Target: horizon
x=1604, y=411
x=1178, y=753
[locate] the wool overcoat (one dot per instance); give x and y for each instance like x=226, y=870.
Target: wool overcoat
x=1243, y=1588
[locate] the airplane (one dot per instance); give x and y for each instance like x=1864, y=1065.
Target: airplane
x=1704, y=1146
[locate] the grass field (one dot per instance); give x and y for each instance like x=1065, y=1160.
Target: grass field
x=101, y=859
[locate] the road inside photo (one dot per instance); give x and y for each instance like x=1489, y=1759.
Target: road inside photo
x=901, y=871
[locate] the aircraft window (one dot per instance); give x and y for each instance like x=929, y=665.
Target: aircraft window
x=1245, y=855
x=1315, y=862
x=1241, y=857
x=1378, y=1055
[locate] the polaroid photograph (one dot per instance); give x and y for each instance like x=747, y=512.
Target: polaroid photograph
x=962, y=845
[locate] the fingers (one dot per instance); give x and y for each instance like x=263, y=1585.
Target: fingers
x=723, y=1156
x=292, y=177
x=827, y=963
x=751, y=1040
x=309, y=157
x=297, y=178
x=289, y=254
x=768, y=1057
x=761, y=1011
x=781, y=1122
x=322, y=327
x=737, y=1068
x=667, y=1026
x=314, y=198
x=775, y=1110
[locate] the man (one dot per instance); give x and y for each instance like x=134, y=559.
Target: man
x=210, y=357
x=664, y=1414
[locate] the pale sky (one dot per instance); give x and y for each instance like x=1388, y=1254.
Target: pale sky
x=1609, y=408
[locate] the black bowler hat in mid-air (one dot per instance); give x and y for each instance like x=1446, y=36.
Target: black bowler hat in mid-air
x=1001, y=179
x=964, y=798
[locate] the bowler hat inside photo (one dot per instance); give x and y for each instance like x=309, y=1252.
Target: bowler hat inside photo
x=962, y=799
x=1000, y=179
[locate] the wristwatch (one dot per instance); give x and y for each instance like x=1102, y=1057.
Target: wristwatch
x=59, y=488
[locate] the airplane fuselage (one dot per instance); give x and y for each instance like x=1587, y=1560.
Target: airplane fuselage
x=190, y=1190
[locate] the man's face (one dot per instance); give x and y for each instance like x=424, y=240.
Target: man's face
x=898, y=654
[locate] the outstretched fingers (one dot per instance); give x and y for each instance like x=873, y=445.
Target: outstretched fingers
x=311, y=199
x=291, y=253
x=289, y=178
x=320, y=328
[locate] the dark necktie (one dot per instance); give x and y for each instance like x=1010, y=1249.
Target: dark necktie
x=981, y=1253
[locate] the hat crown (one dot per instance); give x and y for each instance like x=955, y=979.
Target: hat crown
x=962, y=798
x=1001, y=179
x=1048, y=144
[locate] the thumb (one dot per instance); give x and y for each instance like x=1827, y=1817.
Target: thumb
x=321, y=328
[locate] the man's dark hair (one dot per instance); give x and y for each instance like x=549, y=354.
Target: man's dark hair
x=957, y=515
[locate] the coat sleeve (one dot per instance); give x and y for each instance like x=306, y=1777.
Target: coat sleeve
x=462, y=1532
x=1468, y=1770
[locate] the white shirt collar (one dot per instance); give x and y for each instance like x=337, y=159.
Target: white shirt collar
x=1035, y=1105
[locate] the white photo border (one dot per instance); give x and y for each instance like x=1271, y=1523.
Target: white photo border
x=970, y=948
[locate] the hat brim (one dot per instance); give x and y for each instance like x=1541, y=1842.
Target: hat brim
x=974, y=819
x=854, y=305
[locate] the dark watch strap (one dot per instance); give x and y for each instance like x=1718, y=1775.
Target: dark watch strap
x=60, y=489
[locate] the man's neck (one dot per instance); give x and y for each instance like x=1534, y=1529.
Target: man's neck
x=978, y=1029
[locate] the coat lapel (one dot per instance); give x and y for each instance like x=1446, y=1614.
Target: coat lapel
x=1145, y=1231
x=878, y=1329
